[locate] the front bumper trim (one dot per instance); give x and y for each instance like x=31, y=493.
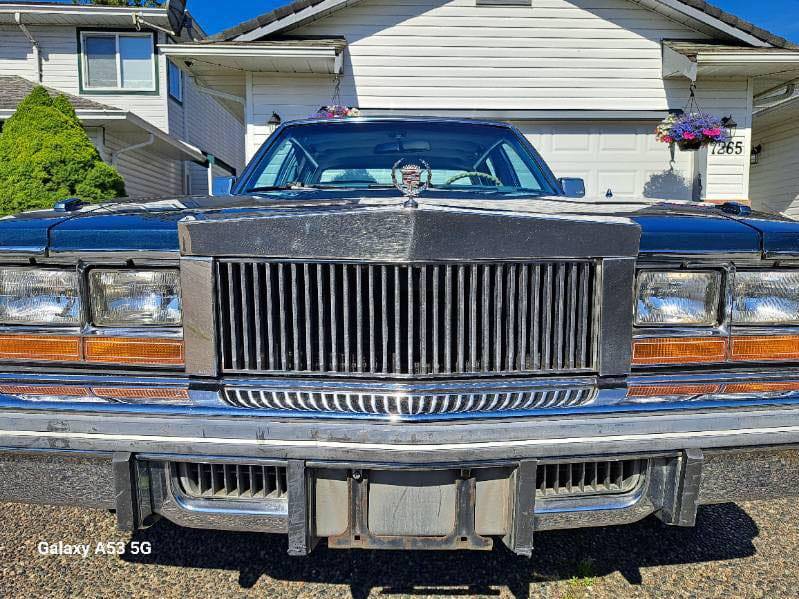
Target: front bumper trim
x=715, y=435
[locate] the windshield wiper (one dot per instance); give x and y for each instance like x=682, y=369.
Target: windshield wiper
x=282, y=188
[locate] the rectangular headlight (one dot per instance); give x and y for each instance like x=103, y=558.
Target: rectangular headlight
x=677, y=298
x=39, y=297
x=130, y=298
x=766, y=297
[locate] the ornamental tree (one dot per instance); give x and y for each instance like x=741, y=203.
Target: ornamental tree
x=46, y=156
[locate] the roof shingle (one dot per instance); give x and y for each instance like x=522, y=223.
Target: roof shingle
x=14, y=89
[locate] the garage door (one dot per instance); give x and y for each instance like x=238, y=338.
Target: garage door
x=622, y=157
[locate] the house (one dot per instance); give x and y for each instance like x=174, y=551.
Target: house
x=166, y=134
x=586, y=80
x=775, y=158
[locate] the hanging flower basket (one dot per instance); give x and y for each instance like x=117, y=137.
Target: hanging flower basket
x=692, y=131
x=337, y=112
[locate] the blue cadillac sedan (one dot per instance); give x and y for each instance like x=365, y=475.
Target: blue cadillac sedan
x=398, y=334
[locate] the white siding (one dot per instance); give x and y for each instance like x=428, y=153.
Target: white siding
x=146, y=174
x=59, y=50
x=775, y=179
x=211, y=127
x=16, y=55
x=725, y=177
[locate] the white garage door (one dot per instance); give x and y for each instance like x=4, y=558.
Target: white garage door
x=622, y=157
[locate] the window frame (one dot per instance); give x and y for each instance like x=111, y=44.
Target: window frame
x=83, y=62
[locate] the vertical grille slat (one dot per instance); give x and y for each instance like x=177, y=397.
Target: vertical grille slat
x=232, y=481
x=426, y=319
x=589, y=478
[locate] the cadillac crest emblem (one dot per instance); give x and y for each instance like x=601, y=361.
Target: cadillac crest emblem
x=411, y=179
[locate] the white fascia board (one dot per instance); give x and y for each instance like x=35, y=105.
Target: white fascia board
x=238, y=51
x=744, y=57
x=715, y=23
x=83, y=10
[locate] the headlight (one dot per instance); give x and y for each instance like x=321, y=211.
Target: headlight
x=766, y=297
x=128, y=298
x=677, y=298
x=39, y=297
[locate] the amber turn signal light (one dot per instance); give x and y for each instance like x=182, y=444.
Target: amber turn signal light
x=758, y=348
x=679, y=350
x=133, y=393
x=128, y=350
x=669, y=390
x=50, y=348
x=775, y=387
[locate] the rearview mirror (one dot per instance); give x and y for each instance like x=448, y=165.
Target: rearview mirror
x=223, y=186
x=572, y=187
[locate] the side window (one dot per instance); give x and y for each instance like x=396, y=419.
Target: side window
x=287, y=165
x=175, y=79
x=523, y=173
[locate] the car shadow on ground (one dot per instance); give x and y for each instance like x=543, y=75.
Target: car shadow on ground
x=723, y=532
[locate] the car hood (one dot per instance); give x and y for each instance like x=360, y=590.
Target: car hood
x=674, y=228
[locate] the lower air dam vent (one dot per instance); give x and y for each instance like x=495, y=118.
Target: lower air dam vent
x=232, y=481
x=589, y=478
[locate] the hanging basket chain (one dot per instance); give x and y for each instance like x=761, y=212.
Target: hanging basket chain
x=335, y=98
x=336, y=108
x=692, y=107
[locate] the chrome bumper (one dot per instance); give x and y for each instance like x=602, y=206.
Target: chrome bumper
x=702, y=447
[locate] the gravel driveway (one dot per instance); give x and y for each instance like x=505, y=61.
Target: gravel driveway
x=735, y=551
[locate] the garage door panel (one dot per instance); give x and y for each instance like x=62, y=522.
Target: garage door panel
x=622, y=157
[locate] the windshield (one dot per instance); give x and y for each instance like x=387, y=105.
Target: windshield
x=361, y=154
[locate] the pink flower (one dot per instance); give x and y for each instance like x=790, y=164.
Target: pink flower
x=667, y=139
x=711, y=132
x=688, y=135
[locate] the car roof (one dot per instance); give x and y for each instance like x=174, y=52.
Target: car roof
x=396, y=119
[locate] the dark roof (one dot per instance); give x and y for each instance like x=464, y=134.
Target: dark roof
x=733, y=21
x=280, y=12
x=707, y=8
x=14, y=89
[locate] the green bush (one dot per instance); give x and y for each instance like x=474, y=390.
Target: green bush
x=46, y=156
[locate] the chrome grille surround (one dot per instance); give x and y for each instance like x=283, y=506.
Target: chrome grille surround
x=400, y=320
x=398, y=404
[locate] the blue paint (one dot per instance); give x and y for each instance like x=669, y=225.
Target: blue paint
x=103, y=232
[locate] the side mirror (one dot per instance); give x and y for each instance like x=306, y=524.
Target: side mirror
x=572, y=187
x=223, y=186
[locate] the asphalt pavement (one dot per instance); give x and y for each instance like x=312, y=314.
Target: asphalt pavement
x=747, y=550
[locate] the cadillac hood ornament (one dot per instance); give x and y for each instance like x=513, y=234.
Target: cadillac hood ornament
x=411, y=179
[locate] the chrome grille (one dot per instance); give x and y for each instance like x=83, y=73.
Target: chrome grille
x=399, y=320
x=589, y=478
x=232, y=481
x=404, y=404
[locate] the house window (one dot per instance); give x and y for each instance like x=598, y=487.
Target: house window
x=118, y=62
x=175, y=79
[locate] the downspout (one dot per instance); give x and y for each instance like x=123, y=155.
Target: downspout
x=37, y=55
x=126, y=149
